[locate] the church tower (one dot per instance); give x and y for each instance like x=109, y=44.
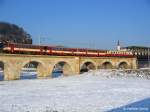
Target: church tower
x=118, y=46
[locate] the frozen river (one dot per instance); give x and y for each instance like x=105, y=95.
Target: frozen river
x=89, y=92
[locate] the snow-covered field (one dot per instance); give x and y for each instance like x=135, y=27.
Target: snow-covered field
x=89, y=92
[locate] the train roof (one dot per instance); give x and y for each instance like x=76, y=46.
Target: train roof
x=60, y=46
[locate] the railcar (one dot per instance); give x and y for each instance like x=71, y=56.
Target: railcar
x=15, y=48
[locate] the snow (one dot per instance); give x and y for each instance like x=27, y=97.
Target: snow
x=95, y=91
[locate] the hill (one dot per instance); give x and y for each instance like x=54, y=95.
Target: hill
x=14, y=33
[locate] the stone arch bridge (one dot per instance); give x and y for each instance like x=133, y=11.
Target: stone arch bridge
x=12, y=64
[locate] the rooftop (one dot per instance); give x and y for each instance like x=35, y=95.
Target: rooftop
x=142, y=47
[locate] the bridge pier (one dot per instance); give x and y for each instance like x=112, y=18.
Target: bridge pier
x=44, y=71
x=12, y=72
x=77, y=65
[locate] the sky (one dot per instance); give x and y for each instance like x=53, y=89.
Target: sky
x=95, y=24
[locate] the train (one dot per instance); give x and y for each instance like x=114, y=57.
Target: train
x=17, y=48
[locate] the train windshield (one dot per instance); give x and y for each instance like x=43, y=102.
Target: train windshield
x=1, y=45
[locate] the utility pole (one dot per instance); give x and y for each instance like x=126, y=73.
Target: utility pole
x=39, y=40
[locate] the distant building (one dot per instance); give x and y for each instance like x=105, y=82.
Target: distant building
x=142, y=53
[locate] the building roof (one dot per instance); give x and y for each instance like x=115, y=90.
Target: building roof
x=136, y=47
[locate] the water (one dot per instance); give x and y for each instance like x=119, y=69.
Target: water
x=28, y=75
x=31, y=75
x=56, y=74
x=1, y=76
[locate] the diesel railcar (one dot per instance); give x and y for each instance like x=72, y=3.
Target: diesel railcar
x=16, y=48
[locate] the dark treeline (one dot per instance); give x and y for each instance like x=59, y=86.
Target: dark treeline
x=14, y=33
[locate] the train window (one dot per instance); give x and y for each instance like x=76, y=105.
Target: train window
x=35, y=47
x=45, y=47
x=24, y=46
x=16, y=45
x=54, y=48
x=58, y=48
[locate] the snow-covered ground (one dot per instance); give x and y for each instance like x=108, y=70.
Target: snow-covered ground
x=88, y=92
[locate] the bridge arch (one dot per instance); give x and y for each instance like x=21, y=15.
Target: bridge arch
x=61, y=68
x=1, y=70
x=87, y=65
x=107, y=65
x=35, y=65
x=31, y=61
x=1, y=65
x=123, y=65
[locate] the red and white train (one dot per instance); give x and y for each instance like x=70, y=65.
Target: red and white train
x=15, y=48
